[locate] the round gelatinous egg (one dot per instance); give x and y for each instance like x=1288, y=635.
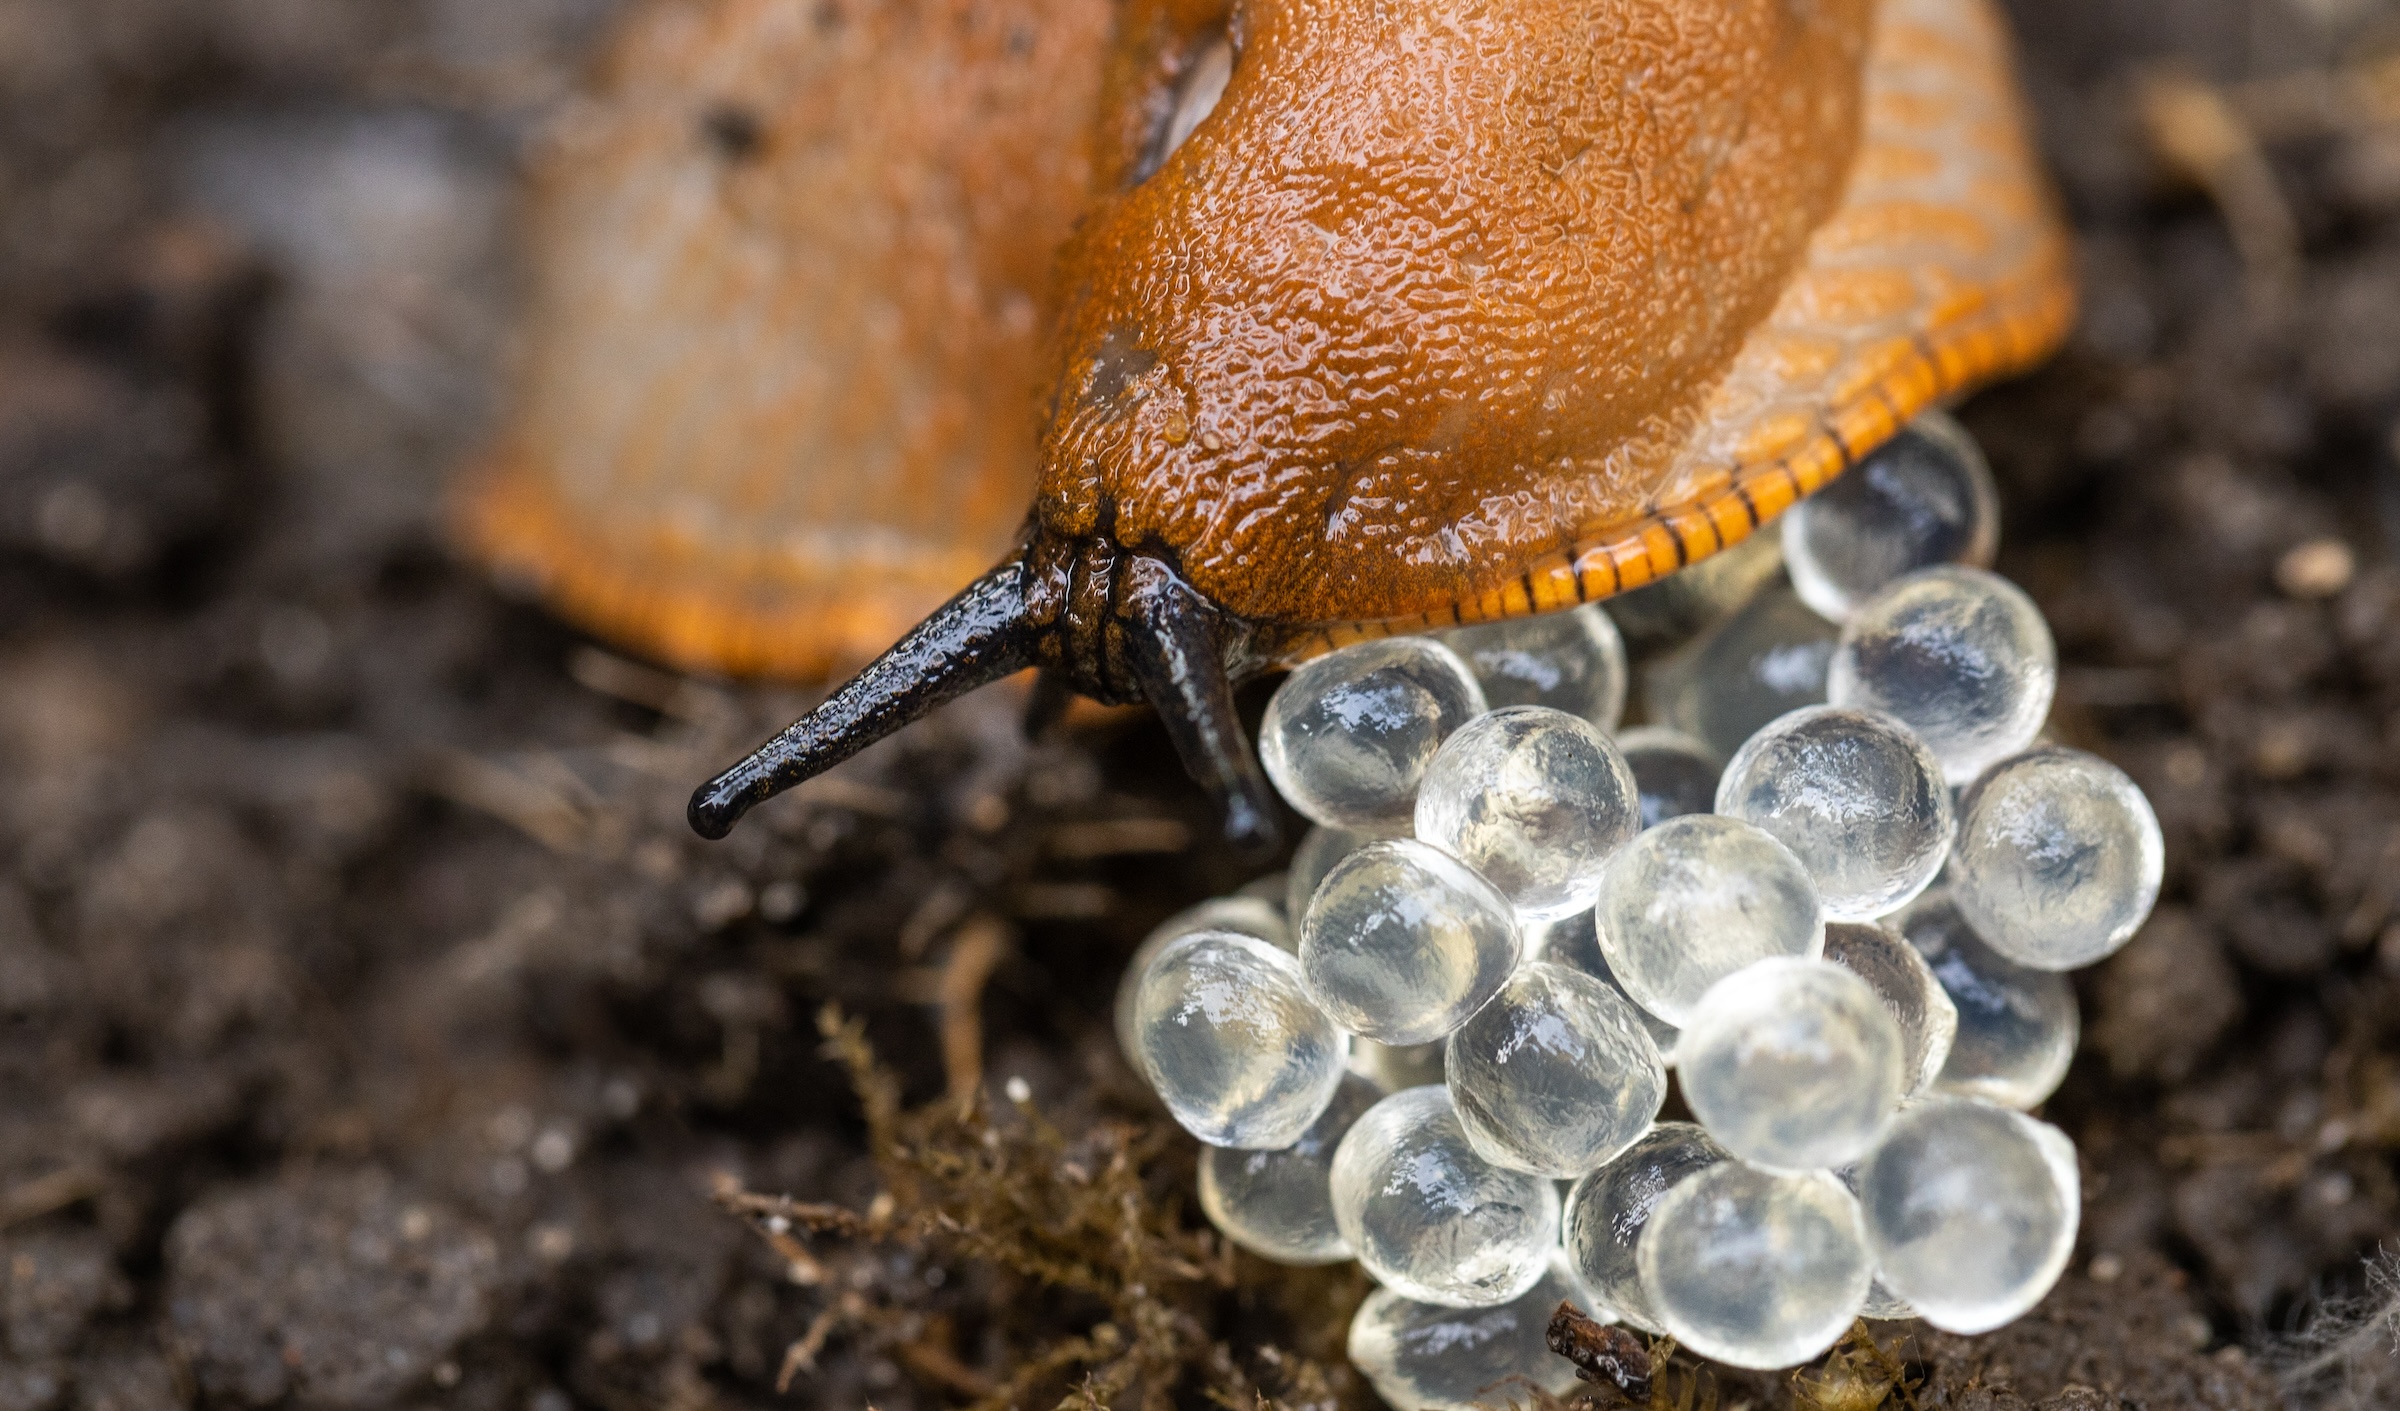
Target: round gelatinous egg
x=1392, y=1068
x=1244, y=916
x=2058, y=858
x=1909, y=990
x=1793, y=1064
x=2017, y=1026
x=1575, y=943
x=1320, y=848
x=1857, y=798
x=1608, y=1209
x=1572, y=661
x=1279, y=1204
x=1429, y=1217
x=1766, y=660
x=1232, y=1042
x=1347, y=737
x=1756, y=1268
x=1925, y=497
x=1556, y=1074
x=1691, y=901
x=1970, y=1212
x=1959, y=654
x=1535, y=800
x=1883, y=1305
x=1403, y=941
x=1429, y=1357
x=1674, y=773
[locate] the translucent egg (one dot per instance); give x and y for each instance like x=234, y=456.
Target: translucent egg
x=1236, y=1049
x=1673, y=608
x=1535, y=800
x=1279, y=1204
x=1674, y=773
x=1756, y=1268
x=1961, y=655
x=1910, y=993
x=1691, y=901
x=1394, y=1068
x=1969, y=1212
x=1572, y=661
x=1574, y=943
x=1608, y=1210
x=1857, y=798
x=1347, y=737
x=2058, y=858
x=1404, y=941
x=1429, y=1218
x=1319, y=850
x=1925, y=497
x=1556, y=1075
x=1766, y=660
x=2017, y=1026
x=1244, y=916
x=1793, y=1064
x=1883, y=1305
x=1428, y=1357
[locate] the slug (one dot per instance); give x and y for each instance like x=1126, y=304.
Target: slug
x=1384, y=315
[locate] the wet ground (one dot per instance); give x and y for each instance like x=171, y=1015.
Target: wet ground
x=373, y=1033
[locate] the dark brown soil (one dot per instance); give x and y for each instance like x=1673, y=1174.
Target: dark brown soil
x=373, y=1033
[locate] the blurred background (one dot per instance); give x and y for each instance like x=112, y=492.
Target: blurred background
x=372, y=1032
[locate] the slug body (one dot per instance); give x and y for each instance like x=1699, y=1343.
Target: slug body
x=1391, y=314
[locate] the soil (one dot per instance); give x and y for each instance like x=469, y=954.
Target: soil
x=373, y=1033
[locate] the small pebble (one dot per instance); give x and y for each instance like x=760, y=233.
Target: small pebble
x=1925, y=497
x=1279, y=1204
x=1575, y=943
x=1691, y=901
x=1910, y=993
x=1674, y=773
x=1793, y=1064
x=1556, y=1074
x=1608, y=1209
x=1960, y=655
x=1319, y=850
x=1764, y=661
x=1347, y=737
x=1572, y=661
x=1236, y=1049
x=1429, y=1218
x=1402, y=942
x=1244, y=916
x=1756, y=1268
x=1970, y=1212
x=1428, y=1357
x=1857, y=798
x=2058, y=859
x=2017, y=1027
x=1535, y=800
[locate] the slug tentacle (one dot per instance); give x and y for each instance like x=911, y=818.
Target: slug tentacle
x=1178, y=647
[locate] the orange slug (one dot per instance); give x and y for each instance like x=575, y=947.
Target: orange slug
x=1379, y=315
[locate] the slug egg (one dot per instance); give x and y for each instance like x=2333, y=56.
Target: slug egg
x=1763, y=662
x=1347, y=737
x=1756, y=1268
x=1403, y=942
x=1971, y=1211
x=1910, y=993
x=1793, y=1064
x=2058, y=859
x=1572, y=661
x=1857, y=798
x=1556, y=1074
x=1244, y=916
x=1229, y=1037
x=1609, y=1208
x=2017, y=1026
x=1693, y=900
x=1533, y=799
x=1279, y=1204
x=1925, y=497
x=1430, y=1357
x=1429, y=1217
x=1319, y=850
x=1575, y=943
x=1673, y=773
x=1960, y=655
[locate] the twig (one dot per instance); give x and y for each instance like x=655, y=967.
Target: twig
x=974, y=955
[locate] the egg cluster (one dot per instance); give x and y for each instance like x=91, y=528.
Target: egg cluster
x=1511, y=922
